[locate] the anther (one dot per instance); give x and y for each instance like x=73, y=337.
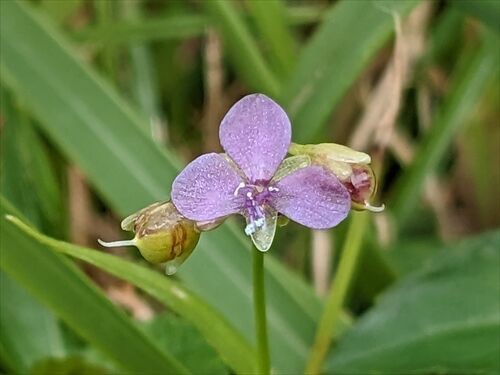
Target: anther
x=260, y=222
x=250, y=229
x=240, y=186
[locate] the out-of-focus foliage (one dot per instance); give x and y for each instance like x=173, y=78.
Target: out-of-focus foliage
x=184, y=341
x=443, y=317
x=103, y=101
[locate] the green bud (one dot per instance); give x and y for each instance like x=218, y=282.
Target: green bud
x=162, y=235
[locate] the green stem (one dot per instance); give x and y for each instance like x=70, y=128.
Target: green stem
x=338, y=293
x=259, y=300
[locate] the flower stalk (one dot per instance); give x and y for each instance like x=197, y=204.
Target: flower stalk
x=338, y=293
x=259, y=300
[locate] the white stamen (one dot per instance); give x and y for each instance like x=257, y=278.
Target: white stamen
x=116, y=243
x=371, y=208
x=272, y=188
x=250, y=228
x=249, y=195
x=260, y=222
x=240, y=186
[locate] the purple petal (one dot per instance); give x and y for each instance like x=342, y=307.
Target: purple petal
x=312, y=197
x=204, y=190
x=256, y=133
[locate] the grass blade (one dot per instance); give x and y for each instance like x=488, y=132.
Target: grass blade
x=169, y=27
x=71, y=296
x=178, y=27
x=242, y=47
x=270, y=19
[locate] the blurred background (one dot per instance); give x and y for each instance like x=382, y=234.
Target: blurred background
x=104, y=101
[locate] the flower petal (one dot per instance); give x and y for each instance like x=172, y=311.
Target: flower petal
x=312, y=197
x=263, y=236
x=256, y=133
x=204, y=190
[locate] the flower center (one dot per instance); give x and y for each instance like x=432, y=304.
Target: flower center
x=256, y=195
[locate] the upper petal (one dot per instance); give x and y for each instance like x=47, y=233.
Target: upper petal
x=256, y=134
x=313, y=197
x=204, y=190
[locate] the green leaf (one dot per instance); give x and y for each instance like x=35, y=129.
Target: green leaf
x=409, y=253
x=270, y=19
x=172, y=27
x=233, y=348
x=28, y=177
x=481, y=156
x=144, y=85
x=467, y=88
x=176, y=27
x=60, y=10
x=444, y=318
x=187, y=344
x=99, y=132
x=333, y=59
x=305, y=13
x=242, y=47
x=67, y=366
x=486, y=11
x=28, y=331
x=72, y=297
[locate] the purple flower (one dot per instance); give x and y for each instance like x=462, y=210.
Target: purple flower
x=255, y=180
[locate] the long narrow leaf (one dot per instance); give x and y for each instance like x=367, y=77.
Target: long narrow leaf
x=182, y=26
x=270, y=18
x=242, y=47
x=71, y=296
x=178, y=27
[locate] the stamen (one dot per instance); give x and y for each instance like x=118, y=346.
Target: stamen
x=240, y=186
x=272, y=188
x=250, y=228
x=260, y=222
x=371, y=208
x=116, y=243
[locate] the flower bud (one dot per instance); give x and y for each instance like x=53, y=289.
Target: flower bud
x=162, y=235
x=351, y=168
